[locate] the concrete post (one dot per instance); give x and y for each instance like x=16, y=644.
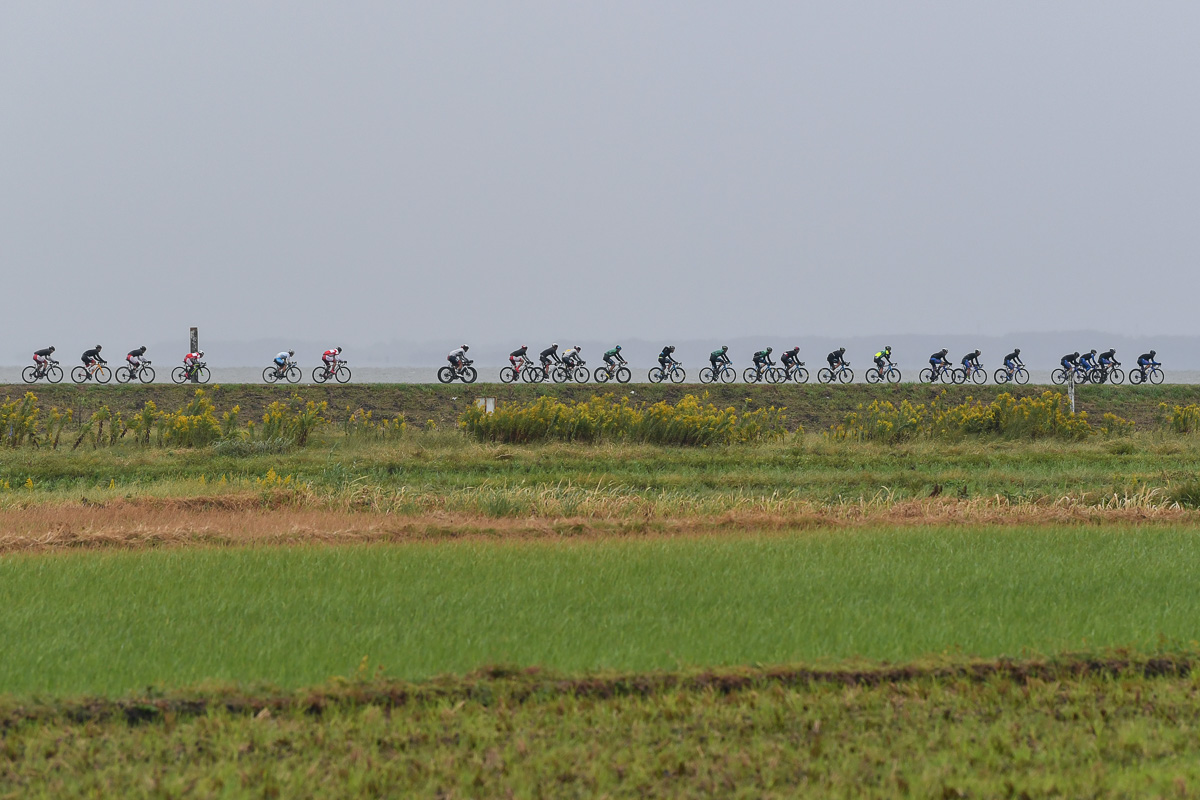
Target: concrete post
x=195, y=345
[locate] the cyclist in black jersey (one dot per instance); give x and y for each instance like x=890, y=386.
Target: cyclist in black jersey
x=517, y=358
x=971, y=360
x=1070, y=361
x=790, y=357
x=92, y=356
x=666, y=358
x=836, y=359
x=549, y=356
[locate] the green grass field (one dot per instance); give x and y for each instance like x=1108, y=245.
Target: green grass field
x=112, y=623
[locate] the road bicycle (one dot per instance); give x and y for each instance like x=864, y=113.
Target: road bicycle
x=973, y=373
x=796, y=372
x=944, y=374
x=143, y=372
x=890, y=373
x=184, y=374
x=525, y=372
x=100, y=372
x=609, y=371
x=723, y=373
x=672, y=372
x=1107, y=374
x=339, y=372
x=290, y=371
x=1016, y=375
x=462, y=372
x=575, y=371
x=1063, y=374
x=767, y=373
x=50, y=370
x=1152, y=374
x=841, y=374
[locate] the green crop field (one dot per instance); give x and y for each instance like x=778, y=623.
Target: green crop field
x=988, y=600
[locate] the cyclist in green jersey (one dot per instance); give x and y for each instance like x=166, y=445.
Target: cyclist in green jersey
x=883, y=355
x=719, y=359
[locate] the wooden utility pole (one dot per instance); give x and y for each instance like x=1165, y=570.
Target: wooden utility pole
x=195, y=345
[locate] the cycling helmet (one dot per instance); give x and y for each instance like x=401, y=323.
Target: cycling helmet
x=1017, y=350
x=724, y=347
x=554, y=344
x=465, y=347
x=768, y=349
x=1152, y=353
x=977, y=351
x=888, y=349
x=618, y=347
x=291, y=352
x=1093, y=351
x=200, y=353
x=671, y=347
x=577, y=348
x=796, y=349
x=524, y=347
x=51, y=348
x=98, y=347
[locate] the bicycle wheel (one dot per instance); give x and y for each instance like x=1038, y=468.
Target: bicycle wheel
x=825, y=375
x=958, y=376
x=678, y=375
x=926, y=375
x=893, y=375
x=146, y=374
x=602, y=375
x=293, y=374
x=29, y=374
x=203, y=374
x=1059, y=376
x=1021, y=375
x=800, y=375
x=1156, y=376
x=123, y=374
x=1000, y=375
x=624, y=375
x=319, y=375
x=1116, y=375
x=706, y=375
x=775, y=374
x=54, y=374
x=343, y=375
x=846, y=375
x=178, y=375
x=533, y=375
x=655, y=375
x=102, y=374
x=582, y=375
x=1136, y=376
x=558, y=373
x=469, y=375
x=728, y=375
x=979, y=376
x=445, y=374
x=873, y=375
x=270, y=374
x=79, y=374
x=750, y=375
x=508, y=375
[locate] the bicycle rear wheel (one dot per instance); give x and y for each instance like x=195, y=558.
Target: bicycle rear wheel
x=706, y=375
x=508, y=375
x=602, y=375
x=445, y=374
x=178, y=375
x=825, y=375
x=123, y=374
x=79, y=374
x=270, y=374
x=1059, y=376
x=873, y=376
x=655, y=375
x=1000, y=375
x=750, y=375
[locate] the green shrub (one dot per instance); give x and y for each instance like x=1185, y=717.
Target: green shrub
x=604, y=418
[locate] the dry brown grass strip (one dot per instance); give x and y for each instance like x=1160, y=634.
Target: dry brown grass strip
x=235, y=520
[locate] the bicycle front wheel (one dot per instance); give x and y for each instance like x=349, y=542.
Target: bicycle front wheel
x=893, y=375
x=728, y=375
x=293, y=374
x=624, y=375
x=147, y=374
x=1021, y=375
x=1117, y=375
x=202, y=375
x=343, y=375
x=1156, y=376
x=103, y=374
x=55, y=374
x=678, y=375
x=582, y=375
x=800, y=375
x=533, y=375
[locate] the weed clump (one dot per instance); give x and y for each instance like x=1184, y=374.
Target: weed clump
x=1006, y=417
x=690, y=422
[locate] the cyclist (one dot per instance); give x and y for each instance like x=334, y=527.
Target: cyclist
x=789, y=359
x=135, y=359
x=548, y=355
x=281, y=362
x=1144, y=360
x=883, y=355
x=92, y=356
x=191, y=360
x=611, y=357
x=719, y=359
x=1013, y=360
x=1070, y=361
x=665, y=359
x=571, y=356
x=1109, y=358
x=1088, y=361
x=970, y=361
x=836, y=359
x=41, y=359
x=938, y=362
x=518, y=358
x=762, y=359
x=458, y=357
x=329, y=358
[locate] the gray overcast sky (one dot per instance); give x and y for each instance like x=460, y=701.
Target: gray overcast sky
x=366, y=172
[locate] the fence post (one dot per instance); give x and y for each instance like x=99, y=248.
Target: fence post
x=195, y=345
x=1071, y=390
